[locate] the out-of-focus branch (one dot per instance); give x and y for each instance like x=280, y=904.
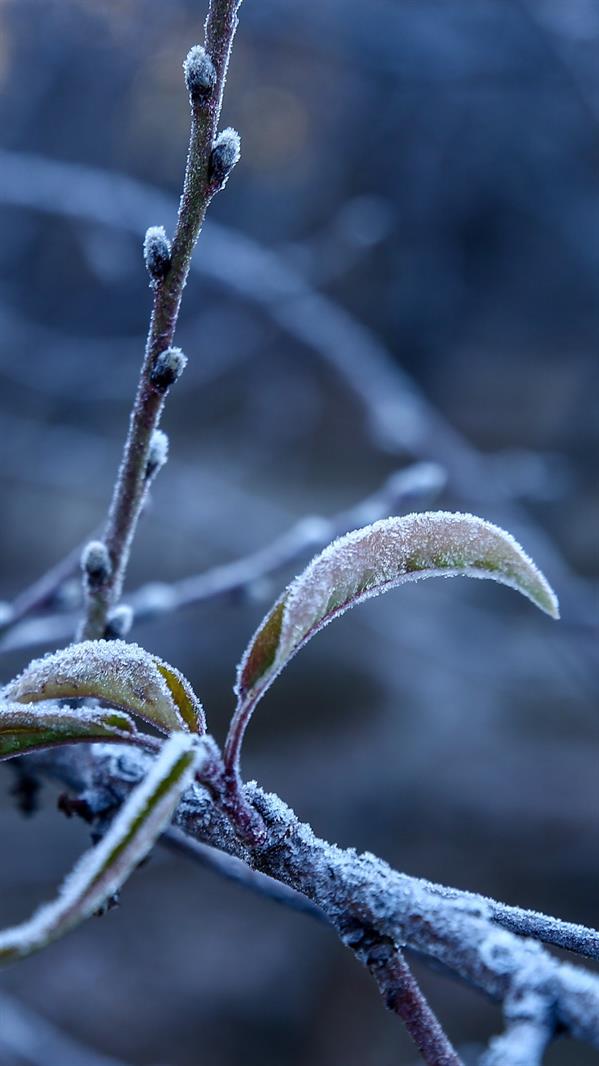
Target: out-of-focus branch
x=26, y=1037
x=209, y=162
x=402, y=420
x=530, y=1028
x=416, y=484
x=366, y=901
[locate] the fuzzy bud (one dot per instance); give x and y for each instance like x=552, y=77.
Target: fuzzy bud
x=157, y=252
x=225, y=154
x=95, y=563
x=119, y=622
x=169, y=366
x=200, y=75
x=157, y=454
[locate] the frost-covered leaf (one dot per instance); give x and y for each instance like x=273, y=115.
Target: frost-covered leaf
x=26, y=729
x=101, y=871
x=119, y=674
x=373, y=560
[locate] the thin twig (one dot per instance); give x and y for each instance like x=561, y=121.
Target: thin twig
x=416, y=484
x=403, y=995
x=202, y=180
x=27, y=1037
x=401, y=419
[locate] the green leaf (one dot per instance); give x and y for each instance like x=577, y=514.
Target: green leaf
x=117, y=673
x=101, y=871
x=377, y=558
x=23, y=730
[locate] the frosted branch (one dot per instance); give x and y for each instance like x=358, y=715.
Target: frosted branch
x=360, y=894
x=209, y=162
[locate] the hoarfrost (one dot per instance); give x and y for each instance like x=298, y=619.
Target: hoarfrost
x=226, y=152
x=120, y=674
x=372, y=560
x=200, y=75
x=101, y=872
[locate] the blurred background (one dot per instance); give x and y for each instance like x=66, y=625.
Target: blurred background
x=403, y=268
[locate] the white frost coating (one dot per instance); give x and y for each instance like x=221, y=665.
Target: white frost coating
x=200, y=74
x=384, y=554
x=158, y=453
x=100, y=872
x=388, y=553
x=170, y=363
x=25, y=729
x=121, y=674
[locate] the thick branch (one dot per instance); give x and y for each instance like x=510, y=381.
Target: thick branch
x=362, y=892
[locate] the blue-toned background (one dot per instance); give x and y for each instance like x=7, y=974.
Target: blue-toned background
x=404, y=266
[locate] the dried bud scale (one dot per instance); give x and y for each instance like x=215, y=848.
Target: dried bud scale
x=95, y=563
x=200, y=75
x=157, y=253
x=225, y=154
x=168, y=367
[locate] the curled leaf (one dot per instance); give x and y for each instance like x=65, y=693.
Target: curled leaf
x=377, y=558
x=101, y=871
x=23, y=730
x=117, y=673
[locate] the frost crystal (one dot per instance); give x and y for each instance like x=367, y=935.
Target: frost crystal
x=102, y=871
x=169, y=366
x=200, y=75
x=95, y=563
x=157, y=252
x=121, y=675
x=375, y=559
x=225, y=154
